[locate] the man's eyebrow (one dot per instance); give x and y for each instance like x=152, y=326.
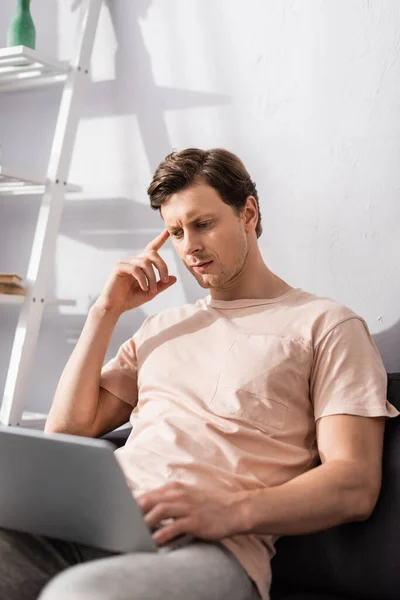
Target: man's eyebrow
x=194, y=219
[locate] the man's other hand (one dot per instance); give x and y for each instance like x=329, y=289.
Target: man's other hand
x=204, y=514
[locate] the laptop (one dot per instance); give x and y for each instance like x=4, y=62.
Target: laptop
x=70, y=488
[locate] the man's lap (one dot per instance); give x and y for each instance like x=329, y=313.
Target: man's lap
x=62, y=570
x=28, y=561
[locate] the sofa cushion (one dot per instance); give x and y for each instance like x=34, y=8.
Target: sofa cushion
x=356, y=560
x=118, y=437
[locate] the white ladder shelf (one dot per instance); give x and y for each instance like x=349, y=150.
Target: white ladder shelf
x=23, y=68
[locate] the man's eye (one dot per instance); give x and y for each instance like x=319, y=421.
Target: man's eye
x=201, y=225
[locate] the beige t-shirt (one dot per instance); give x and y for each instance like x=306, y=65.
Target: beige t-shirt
x=226, y=395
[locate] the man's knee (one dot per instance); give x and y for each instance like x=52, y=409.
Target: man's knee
x=78, y=582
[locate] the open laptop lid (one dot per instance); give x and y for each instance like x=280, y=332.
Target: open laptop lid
x=68, y=487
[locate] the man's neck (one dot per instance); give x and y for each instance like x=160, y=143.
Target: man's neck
x=263, y=285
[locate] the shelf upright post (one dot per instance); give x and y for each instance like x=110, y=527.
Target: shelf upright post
x=45, y=238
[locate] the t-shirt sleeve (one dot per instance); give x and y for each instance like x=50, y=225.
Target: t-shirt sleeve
x=348, y=375
x=119, y=374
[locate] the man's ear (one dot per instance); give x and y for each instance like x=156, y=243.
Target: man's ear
x=250, y=214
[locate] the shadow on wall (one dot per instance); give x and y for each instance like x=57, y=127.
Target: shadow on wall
x=134, y=91
x=105, y=223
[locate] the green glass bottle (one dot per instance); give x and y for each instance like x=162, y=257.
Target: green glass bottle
x=21, y=31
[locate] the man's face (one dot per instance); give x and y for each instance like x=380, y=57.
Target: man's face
x=203, y=228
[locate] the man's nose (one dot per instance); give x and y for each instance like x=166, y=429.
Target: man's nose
x=192, y=244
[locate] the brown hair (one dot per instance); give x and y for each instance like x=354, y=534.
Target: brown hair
x=219, y=168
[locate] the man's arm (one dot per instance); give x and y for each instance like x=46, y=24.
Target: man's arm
x=345, y=487
x=77, y=398
x=80, y=407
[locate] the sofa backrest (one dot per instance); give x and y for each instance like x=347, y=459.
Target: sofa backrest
x=354, y=560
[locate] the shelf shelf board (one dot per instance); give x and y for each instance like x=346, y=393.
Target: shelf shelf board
x=38, y=420
x=22, y=68
x=16, y=183
x=33, y=419
x=17, y=299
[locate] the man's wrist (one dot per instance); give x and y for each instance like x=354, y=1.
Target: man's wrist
x=101, y=311
x=244, y=509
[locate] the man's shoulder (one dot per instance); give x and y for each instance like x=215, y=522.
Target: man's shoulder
x=325, y=304
x=325, y=312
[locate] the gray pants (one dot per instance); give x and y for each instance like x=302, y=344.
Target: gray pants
x=36, y=567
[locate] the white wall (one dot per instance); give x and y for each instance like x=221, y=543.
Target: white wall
x=306, y=92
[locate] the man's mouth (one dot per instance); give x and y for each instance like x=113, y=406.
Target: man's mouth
x=202, y=267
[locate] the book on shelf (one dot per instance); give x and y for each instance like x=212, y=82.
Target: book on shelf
x=11, y=288
x=10, y=278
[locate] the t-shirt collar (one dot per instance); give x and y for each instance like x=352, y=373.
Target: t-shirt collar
x=245, y=302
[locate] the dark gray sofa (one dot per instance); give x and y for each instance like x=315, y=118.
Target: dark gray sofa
x=353, y=561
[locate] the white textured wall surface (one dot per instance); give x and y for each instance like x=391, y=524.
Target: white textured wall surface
x=306, y=92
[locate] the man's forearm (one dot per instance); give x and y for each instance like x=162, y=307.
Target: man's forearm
x=76, y=399
x=323, y=497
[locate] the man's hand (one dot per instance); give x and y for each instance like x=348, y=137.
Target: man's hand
x=201, y=513
x=133, y=281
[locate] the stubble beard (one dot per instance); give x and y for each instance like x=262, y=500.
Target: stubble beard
x=227, y=275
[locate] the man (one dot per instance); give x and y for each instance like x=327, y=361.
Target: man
x=233, y=400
